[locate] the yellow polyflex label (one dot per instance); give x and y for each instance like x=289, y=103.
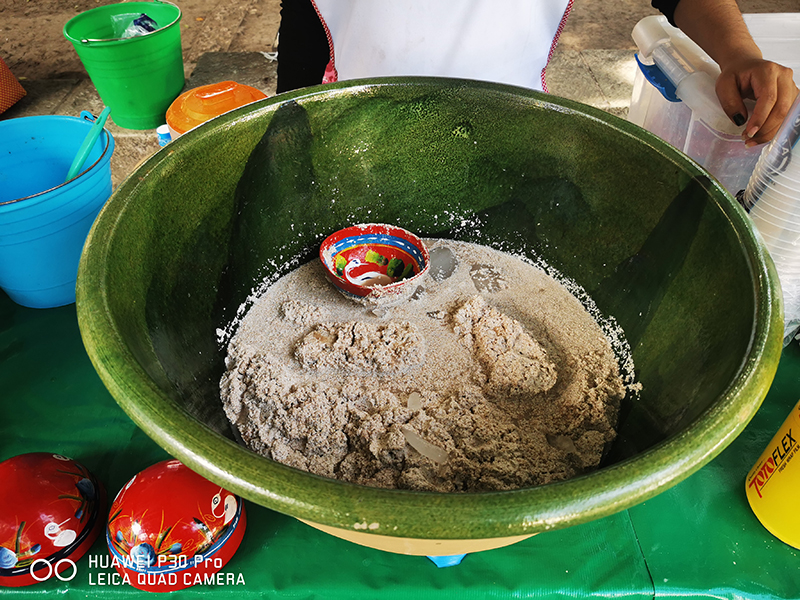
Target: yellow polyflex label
x=773, y=484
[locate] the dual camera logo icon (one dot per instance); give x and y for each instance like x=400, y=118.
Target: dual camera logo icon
x=61, y=567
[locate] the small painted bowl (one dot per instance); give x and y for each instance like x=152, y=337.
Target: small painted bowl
x=374, y=262
x=169, y=528
x=51, y=511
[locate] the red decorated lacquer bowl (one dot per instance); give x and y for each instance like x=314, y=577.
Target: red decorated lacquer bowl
x=169, y=528
x=51, y=510
x=374, y=261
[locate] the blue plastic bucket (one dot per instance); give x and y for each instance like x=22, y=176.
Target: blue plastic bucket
x=44, y=221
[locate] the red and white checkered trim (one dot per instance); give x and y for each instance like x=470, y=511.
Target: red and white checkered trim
x=555, y=43
x=331, y=74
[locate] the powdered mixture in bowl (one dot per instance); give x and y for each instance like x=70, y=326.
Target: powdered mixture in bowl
x=492, y=376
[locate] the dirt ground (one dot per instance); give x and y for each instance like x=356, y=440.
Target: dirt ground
x=33, y=45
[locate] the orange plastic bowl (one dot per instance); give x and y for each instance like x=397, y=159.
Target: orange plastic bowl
x=198, y=105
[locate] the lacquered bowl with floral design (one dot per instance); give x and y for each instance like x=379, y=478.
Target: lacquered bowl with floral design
x=51, y=511
x=374, y=261
x=169, y=528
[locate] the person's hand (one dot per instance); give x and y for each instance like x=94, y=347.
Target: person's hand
x=717, y=26
x=768, y=83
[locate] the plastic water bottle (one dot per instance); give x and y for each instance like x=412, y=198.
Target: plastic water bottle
x=692, y=118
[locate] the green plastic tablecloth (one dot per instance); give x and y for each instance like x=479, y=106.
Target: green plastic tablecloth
x=698, y=539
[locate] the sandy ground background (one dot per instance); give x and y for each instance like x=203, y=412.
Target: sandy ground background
x=237, y=39
x=32, y=43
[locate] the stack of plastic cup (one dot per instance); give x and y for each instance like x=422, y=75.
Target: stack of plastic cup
x=772, y=197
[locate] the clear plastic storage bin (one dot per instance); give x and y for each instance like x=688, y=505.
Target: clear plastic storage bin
x=695, y=122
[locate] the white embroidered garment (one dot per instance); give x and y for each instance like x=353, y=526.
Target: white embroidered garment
x=507, y=41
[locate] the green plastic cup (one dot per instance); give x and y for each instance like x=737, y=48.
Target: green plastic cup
x=138, y=77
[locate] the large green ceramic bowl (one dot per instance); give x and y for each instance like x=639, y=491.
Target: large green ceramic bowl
x=250, y=195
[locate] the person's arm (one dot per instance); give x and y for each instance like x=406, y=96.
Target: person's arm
x=717, y=27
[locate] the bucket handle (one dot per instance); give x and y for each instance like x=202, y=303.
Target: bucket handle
x=87, y=116
x=178, y=18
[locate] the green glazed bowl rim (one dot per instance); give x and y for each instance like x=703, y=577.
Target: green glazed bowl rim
x=427, y=515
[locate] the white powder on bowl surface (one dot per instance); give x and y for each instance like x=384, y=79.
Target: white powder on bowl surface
x=492, y=376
